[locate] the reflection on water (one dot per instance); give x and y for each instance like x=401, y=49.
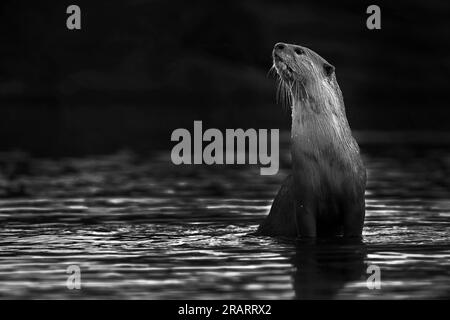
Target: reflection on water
x=143, y=228
x=324, y=268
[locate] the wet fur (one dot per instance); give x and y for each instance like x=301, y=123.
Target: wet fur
x=325, y=194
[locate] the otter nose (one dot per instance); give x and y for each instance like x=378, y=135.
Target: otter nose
x=280, y=46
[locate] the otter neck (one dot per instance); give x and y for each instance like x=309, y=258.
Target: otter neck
x=318, y=120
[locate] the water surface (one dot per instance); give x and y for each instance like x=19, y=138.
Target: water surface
x=140, y=227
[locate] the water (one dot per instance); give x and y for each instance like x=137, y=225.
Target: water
x=140, y=227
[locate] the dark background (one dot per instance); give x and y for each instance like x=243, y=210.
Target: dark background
x=139, y=69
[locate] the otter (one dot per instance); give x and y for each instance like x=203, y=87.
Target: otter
x=324, y=195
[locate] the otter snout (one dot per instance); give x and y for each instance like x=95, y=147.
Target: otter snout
x=283, y=50
x=280, y=46
x=279, y=51
x=284, y=60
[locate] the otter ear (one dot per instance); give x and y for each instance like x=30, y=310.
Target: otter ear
x=329, y=69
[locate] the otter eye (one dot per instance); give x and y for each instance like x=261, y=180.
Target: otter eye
x=328, y=68
x=299, y=51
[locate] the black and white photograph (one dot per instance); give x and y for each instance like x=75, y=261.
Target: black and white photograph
x=247, y=151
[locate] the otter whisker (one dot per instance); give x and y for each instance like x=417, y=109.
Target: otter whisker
x=287, y=99
x=272, y=71
x=283, y=94
x=280, y=91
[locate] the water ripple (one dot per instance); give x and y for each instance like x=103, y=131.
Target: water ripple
x=142, y=228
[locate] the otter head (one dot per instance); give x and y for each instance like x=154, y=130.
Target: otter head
x=302, y=71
